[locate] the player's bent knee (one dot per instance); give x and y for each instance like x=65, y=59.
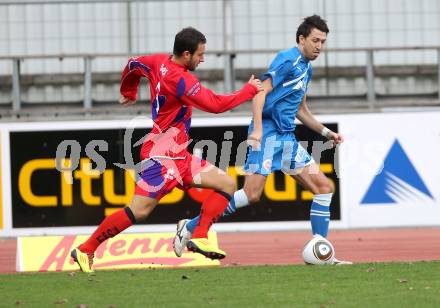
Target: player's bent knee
x=325, y=189
x=141, y=209
x=253, y=192
x=254, y=198
x=228, y=185
x=140, y=214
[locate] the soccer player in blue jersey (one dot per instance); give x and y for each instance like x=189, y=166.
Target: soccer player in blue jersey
x=274, y=112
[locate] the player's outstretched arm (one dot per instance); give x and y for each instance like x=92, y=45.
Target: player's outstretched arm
x=257, y=111
x=205, y=99
x=308, y=119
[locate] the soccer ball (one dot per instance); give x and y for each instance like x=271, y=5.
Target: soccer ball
x=318, y=251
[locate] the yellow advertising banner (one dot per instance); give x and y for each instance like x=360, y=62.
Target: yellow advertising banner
x=52, y=253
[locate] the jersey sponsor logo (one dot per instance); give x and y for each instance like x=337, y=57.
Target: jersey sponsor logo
x=163, y=70
x=398, y=182
x=194, y=89
x=300, y=85
x=170, y=174
x=295, y=81
x=267, y=164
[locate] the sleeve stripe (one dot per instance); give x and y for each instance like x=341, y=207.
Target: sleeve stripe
x=180, y=87
x=133, y=64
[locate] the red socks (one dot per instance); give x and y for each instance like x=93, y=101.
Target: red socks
x=212, y=209
x=109, y=227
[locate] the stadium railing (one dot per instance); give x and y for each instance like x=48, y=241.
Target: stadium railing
x=369, y=71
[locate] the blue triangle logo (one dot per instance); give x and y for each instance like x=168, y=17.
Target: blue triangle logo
x=397, y=180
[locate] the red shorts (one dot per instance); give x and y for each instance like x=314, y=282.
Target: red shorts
x=160, y=174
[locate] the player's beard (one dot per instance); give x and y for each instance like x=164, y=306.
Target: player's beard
x=192, y=65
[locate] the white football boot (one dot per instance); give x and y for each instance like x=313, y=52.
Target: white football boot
x=181, y=238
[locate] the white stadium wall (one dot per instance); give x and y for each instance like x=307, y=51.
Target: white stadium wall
x=387, y=168
x=71, y=28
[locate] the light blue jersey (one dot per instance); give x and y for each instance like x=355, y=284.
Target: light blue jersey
x=291, y=74
x=279, y=150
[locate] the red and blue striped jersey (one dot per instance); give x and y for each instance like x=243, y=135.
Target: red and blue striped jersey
x=174, y=91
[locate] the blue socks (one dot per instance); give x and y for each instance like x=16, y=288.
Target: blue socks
x=320, y=214
x=237, y=201
x=192, y=224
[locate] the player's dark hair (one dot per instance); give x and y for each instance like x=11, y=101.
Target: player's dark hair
x=308, y=24
x=188, y=39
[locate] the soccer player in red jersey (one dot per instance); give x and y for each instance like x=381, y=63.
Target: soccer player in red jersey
x=166, y=163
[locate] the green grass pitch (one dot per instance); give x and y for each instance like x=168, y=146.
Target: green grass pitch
x=363, y=285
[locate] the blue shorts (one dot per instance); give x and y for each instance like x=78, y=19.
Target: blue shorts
x=278, y=151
